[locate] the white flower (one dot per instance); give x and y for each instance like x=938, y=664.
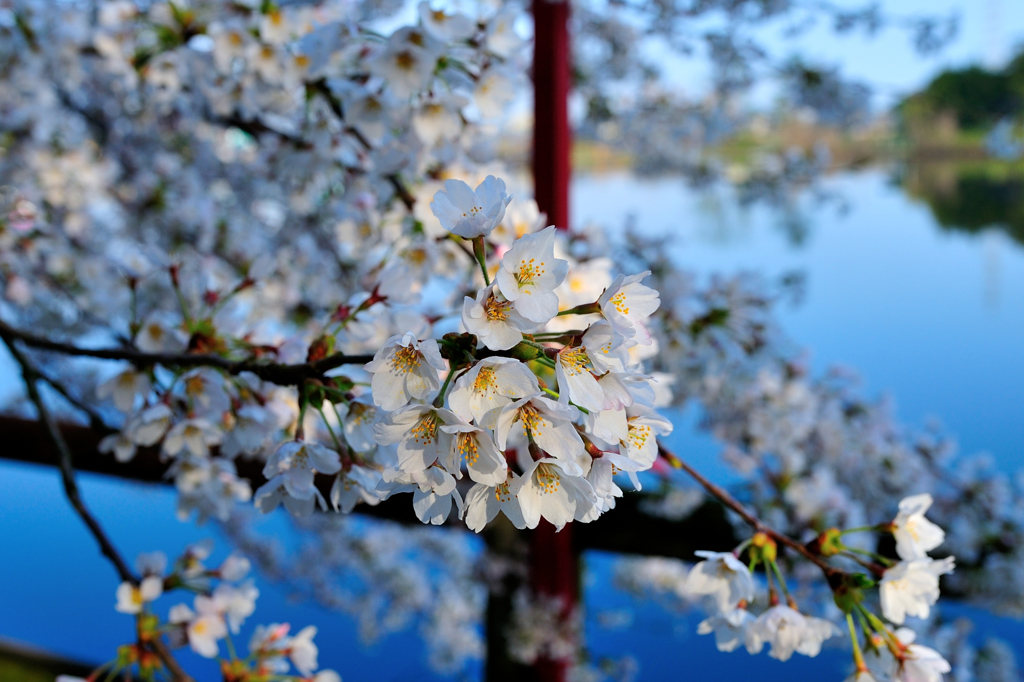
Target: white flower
x=407, y=62
x=606, y=348
x=403, y=369
x=353, y=485
x=861, y=676
x=206, y=628
x=484, y=502
x=522, y=217
x=294, y=463
x=607, y=426
x=132, y=599
x=910, y=587
x=151, y=563
x=302, y=650
x=644, y=426
x=471, y=213
x=372, y=114
x=359, y=418
x=730, y=628
x=547, y=422
x=433, y=492
x=915, y=535
x=234, y=568
x=236, y=603
x=816, y=632
x=494, y=90
x=417, y=431
x=150, y=425
x=125, y=388
x=502, y=38
x=194, y=435
x=491, y=384
x=584, y=283
x=447, y=27
x=438, y=119
x=157, y=335
x=529, y=274
x=494, y=320
x=627, y=303
x=473, y=445
x=787, y=630
x=120, y=444
x=920, y=663
x=270, y=642
x=276, y=491
x=723, y=577
x=602, y=479
x=327, y=676
x=576, y=382
x=555, y=490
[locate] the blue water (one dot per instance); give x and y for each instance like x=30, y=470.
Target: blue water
x=933, y=318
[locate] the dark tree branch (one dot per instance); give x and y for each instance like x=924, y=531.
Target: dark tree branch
x=719, y=493
x=67, y=471
x=276, y=373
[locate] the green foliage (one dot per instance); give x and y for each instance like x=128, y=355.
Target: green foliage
x=975, y=96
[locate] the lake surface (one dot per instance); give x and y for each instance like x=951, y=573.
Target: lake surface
x=930, y=315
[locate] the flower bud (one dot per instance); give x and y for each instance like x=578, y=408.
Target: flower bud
x=830, y=542
x=321, y=347
x=763, y=548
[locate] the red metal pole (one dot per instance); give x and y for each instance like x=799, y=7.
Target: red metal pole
x=552, y=139
x=553, y=563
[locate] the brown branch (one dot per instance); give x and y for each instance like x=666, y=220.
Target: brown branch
x=67, y=471
x=178, y=674
x=401, y=191
x=719, y=493
x=96, y=421
x=276, y=373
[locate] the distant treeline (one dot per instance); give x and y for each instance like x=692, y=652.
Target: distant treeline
x=975, y=97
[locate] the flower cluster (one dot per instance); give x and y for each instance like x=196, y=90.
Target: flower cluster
x=243, y=201
x=217, y=613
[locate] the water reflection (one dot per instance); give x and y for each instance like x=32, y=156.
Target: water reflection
x=970, y=197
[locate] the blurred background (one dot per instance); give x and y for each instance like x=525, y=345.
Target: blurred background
x=904, y=261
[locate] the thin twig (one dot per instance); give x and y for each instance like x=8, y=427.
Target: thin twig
x=31, y=375
x=321, y=87
x=178, y=674
x=274, y=372
x=67, y=472
x=96, y=420
x=732, y=503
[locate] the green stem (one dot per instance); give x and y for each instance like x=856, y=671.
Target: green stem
x=858, y=656
x=480, y=251
x=891, y=642
x=585, y=309
x=571, y=332
x=885, y=561
x=861, y=529
x=546, y=361
x=231, y=646
x=303, y=403
x=439, y=400
x=782, y=583
x=334, y=437
x=553, y=394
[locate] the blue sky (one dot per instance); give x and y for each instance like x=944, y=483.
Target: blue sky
x=990, y=30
